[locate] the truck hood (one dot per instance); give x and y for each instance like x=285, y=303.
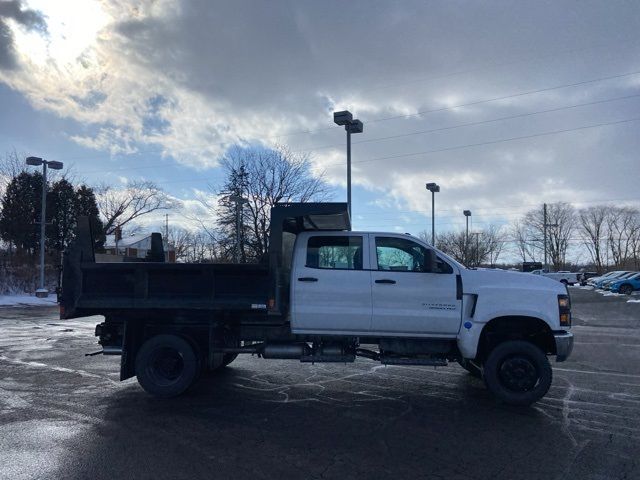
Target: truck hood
x=474, y=281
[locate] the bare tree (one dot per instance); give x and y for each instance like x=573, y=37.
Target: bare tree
x=527, y=246
x=561, y=223
x=11, y=165
x=119, y=207
x=264, y=178
x=623, y=225
x=480, y=248
x=192, y=246
x=593, y=231
x=494, y=241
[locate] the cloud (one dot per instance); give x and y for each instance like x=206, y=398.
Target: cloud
x=13, y=10
x=190, y=79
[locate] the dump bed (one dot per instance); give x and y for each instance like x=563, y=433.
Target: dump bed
x=112, y=287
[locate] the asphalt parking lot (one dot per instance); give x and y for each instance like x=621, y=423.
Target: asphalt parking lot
x=63, y=415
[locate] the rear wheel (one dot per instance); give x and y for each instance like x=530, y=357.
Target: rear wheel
x=517, y=373
x=626, y=289
x=166, y=365
x=228, y=358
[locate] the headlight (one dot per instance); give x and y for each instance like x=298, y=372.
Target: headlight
x=564, y=310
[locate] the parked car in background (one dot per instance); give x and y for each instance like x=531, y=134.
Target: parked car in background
x=610, y=275
x=584, y=278
x=601, y=284
x=606, y=285
x=626, y=285
x=568, y=278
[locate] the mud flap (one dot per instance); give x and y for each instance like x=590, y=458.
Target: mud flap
x=131, y=341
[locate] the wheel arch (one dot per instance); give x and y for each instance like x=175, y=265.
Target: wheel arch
x=515, y=327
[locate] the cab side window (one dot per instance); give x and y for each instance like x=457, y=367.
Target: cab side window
x=335, y=252
x=403, y=255
x=400, y=255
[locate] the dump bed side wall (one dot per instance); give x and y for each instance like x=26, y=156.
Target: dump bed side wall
x=100, y=288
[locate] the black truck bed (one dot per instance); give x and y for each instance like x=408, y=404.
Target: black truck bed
x=159, y=286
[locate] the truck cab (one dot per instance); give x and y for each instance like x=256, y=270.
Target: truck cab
x=373, y=284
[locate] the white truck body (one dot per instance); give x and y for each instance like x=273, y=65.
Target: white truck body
x=375, y=300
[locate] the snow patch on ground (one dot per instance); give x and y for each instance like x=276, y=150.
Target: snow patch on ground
x=28, y=300
x=633, y=301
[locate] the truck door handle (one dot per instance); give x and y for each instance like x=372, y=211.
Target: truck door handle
x=307, y=279
x=386, y=280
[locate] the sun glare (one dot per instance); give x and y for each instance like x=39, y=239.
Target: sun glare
x=73, y=26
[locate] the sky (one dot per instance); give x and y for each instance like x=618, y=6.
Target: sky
x=504, y=104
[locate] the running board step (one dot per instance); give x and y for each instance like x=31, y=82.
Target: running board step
x=328, y=358
x=434, y=362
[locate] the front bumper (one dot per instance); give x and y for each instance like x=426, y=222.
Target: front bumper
x=564, y=345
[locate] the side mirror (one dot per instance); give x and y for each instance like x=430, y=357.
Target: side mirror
x=431, y=262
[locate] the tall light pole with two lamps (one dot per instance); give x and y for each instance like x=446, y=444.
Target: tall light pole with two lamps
x=351, y=126
x=433, y=188
x=42, y=292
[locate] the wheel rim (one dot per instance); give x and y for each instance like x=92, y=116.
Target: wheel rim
x=518, y=374
x=626, y=290
x=166, y=366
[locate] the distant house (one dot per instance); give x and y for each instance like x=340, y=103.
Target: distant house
x=134, y=246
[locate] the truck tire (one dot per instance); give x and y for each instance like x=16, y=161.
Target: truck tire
x=470, y=367
x=517, y=373
x=228, y=358
x=626, y=289
x=166, y=366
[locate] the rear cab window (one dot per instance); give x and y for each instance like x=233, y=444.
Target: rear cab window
x=337, y=252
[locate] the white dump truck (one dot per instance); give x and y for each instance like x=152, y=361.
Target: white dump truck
x=324, y=293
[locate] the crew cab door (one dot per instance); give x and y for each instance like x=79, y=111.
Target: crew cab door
x=408, y=299
x=331, y=284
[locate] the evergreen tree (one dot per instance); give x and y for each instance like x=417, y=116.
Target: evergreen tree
x=21, y=210
x=235, y=186
x=86, y=204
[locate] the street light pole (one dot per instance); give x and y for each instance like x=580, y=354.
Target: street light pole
x=467, y=214
x=349, y=171
x=433, y=188
x=37, y=161
x=43, y=218
x=351, y=126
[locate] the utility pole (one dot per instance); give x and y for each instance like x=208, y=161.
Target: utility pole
x=544, y=233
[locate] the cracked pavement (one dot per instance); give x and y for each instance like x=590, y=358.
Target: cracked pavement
x=63, y=415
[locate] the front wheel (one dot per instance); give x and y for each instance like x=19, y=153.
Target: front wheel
x=626, y=289
x=166, y=366
x=470, y=367
x=517, y=373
